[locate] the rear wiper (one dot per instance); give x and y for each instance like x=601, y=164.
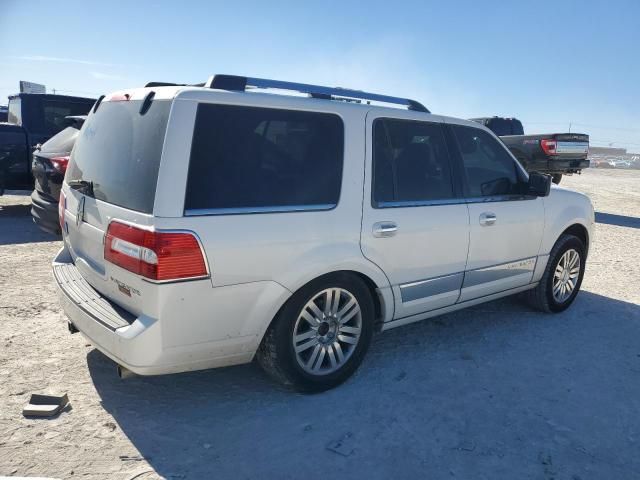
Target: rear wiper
x=83, y=186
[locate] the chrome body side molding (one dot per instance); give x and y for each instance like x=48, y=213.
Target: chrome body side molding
x=432, y=286
x=498, y=272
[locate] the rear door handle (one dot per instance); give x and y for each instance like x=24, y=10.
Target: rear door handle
x=384, y=229
x=487, y=219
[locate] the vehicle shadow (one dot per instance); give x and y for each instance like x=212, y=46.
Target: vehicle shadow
x=16, y=226
x=619, y=220
x=459, y=393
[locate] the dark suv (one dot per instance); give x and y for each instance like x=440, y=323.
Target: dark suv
x=49, y=165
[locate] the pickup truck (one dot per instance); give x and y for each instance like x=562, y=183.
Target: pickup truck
x=32, y=120
x=553, y=153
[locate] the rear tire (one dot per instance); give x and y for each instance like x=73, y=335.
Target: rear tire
x=320, y=336
x=556, y=178
x=557, y=290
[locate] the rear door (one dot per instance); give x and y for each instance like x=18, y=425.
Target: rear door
x=506, y=225
x=415, y=226
x=118, y=153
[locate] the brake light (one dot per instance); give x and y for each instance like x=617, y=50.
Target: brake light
x=60, y=163
x=118, y=97
x=548, y=146
x=62, y=206
x=155, y=255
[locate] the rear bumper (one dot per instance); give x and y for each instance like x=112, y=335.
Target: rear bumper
x=45, y=213
x=557, y=165
x=133, y=342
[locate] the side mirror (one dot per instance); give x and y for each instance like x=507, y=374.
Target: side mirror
x=539, y=184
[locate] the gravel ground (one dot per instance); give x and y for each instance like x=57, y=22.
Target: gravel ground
x=494, y=392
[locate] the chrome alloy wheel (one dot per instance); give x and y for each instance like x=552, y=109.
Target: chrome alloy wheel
x=566, y=275
x=327, y=331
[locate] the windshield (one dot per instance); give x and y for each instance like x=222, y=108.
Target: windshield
x=119, y=151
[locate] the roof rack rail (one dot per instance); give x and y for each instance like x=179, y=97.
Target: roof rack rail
x=169, y=84
x=240, y=84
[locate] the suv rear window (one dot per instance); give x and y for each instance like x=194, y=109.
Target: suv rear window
x=259, y=159
x=62, y=142
x=119, y=151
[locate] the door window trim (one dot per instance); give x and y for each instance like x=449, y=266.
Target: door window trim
x=195, y=212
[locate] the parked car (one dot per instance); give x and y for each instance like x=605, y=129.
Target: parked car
x=556, y=154
x=33, y=119
x=49, y=165
x=204, y=226
x=605, y=164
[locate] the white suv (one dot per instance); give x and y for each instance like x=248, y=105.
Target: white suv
x=205, y=225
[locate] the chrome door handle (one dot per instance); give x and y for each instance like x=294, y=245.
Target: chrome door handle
x=384, y=229
x=487, y=219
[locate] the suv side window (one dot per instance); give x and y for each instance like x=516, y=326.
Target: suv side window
x=489, y=169
x=263, y=158
x=410, y=162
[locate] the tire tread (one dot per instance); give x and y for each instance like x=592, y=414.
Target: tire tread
x=537, y=297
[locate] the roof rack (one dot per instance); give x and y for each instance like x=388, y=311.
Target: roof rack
x=240, y=84
x=169, y=84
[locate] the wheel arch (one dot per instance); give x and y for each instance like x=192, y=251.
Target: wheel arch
x=580, y=231
x=379, y=288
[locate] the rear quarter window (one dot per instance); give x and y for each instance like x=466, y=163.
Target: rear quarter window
x=250, y=158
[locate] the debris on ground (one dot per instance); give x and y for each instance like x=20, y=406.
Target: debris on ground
x=343, y=446
x=45, y=405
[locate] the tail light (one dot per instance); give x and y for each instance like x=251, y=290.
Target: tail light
x=549, y=146
x=60, y=163
x=160, y=256
x=62, y=206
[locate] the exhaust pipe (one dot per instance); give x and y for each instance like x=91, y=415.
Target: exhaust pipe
x=125, y=373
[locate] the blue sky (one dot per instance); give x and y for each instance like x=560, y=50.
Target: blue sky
x=549, y=63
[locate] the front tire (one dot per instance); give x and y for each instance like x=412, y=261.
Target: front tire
x=556, y=178
x=321, y=335
x=562, y=277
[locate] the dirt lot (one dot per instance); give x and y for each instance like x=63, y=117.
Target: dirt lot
x=498, y=391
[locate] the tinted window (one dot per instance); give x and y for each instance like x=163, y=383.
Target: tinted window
x=54, y=113
x=516, y=127
x=505, y=126
x=246, y=157
x=489, y=168
x=119, y=151
x=410, y=162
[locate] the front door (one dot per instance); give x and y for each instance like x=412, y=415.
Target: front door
x=415, y=223
x=506, y=225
